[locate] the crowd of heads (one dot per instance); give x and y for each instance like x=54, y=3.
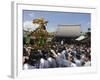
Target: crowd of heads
x=57, y=56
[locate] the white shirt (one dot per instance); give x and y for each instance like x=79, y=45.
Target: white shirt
x=25, y=67
x=88, y=63
x=44, y=63
x=78, y=62
x=73, y=65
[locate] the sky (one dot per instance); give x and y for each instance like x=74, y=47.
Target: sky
x=56, y=18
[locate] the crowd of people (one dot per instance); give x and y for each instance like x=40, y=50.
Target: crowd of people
x=57, y=56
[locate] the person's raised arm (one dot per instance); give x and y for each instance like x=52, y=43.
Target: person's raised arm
x=54, y=53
